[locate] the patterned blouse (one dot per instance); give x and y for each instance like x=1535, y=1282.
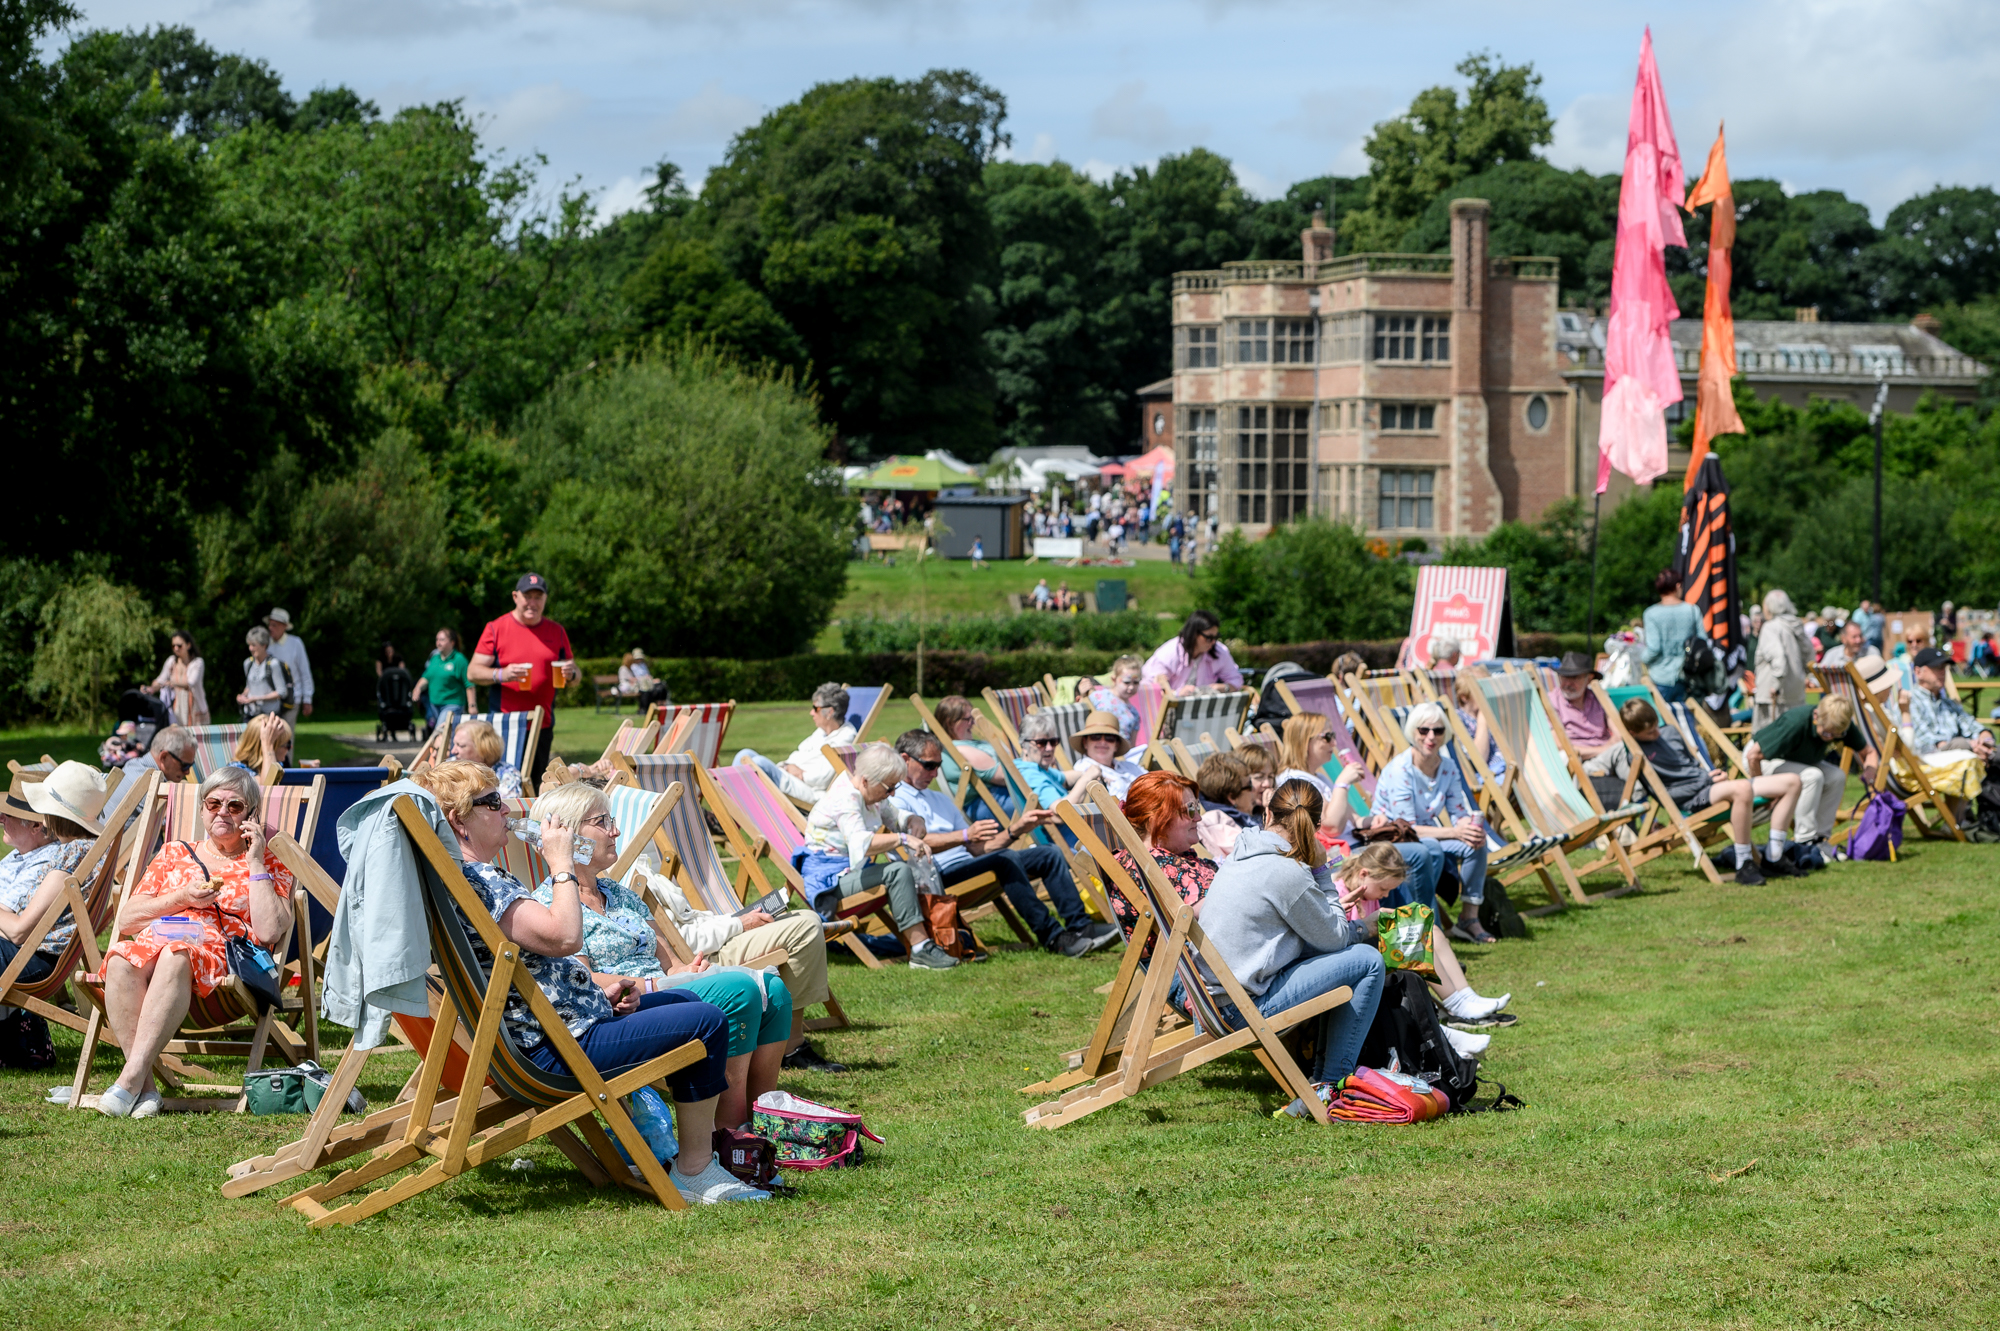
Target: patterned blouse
x=621, y=941
x=1187, y=875
x=565, y=980
x=178, y=866
x=21, y=874
x=1104, y=700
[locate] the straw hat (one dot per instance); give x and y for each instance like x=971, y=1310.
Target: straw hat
x=1876, y=674
x=74, y=791
x=1099, y=723
x=16, y=802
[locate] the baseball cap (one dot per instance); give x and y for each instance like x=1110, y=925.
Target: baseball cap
x=531, y=582
x=1931, y=657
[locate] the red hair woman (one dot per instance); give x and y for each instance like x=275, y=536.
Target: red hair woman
x=1164, y=808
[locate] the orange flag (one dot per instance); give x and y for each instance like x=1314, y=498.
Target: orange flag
x=1714, y=406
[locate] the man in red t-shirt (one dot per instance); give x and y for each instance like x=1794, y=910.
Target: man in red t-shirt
x=522, y=653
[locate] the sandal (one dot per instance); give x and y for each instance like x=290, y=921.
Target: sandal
x=1470, y=932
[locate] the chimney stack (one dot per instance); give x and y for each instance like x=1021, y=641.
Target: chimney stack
x=1317, y=240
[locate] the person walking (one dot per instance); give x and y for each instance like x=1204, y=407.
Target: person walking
x=1669, y=625
x=287, y=647
x=522, y=653
x=445, y=681
x=267, y=683
x=180, y=682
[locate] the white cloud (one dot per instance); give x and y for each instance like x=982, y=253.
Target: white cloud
x=1101, y=171
x=520, y=120
x=1042, y=151
x=1131, y=115
x=626, y=196
x=1590, y=133
x=710, y=116
x=349, y=19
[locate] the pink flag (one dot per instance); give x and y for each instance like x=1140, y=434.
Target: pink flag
x=1640, y=378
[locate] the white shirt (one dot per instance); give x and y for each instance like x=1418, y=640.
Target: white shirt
x=842, y=823
x=1117, y=778
x=814, y=769
x=293, y=653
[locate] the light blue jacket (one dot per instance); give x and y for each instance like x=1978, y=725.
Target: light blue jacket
x=380, y=946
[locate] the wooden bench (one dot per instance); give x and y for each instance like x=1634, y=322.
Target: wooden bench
x=607, y=690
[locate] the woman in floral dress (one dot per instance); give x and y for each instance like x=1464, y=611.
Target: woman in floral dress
x=229, y=885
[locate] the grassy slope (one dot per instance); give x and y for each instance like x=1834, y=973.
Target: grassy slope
x=1830, y=1032
x=954, y=587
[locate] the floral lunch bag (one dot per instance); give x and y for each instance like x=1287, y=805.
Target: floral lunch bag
x=810, y=1135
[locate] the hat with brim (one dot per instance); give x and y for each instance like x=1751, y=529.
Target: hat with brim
x=1876, y=674
x=1099, y=723
x=1575, y=665
x=73, y=791
x=638, y=654
x=16, y=802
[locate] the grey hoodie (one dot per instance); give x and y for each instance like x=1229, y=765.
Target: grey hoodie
x=1264, y=911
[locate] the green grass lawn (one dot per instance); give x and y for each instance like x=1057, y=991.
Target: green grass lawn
x=1747, y=1108
x=955, y=587
x=314, y=740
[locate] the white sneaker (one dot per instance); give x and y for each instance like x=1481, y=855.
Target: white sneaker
x=1466, y=1044
x=715, y=1184
x=116, y=1102
x=148, y=1105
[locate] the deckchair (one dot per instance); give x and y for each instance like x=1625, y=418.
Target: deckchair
x=1011, y=709
x=437, y=745
x=1188, y=719
x=1138, y=999
x=214, y=748
x=33, y=771
x=864, y=705
x=1545, y=783
x=1026, y=799
x=1323, y=697
x=519, y=733
x=697, y=728
x=88, y=896
x=1062, y=691
x=1368, y=711
x=970, y=783
x=1188, y=758
x=532, y=1103
x=1898, y=767
x=632, y=739
x=1150, y=702
x=672, y=822
x=1069, y=718
x=1656, y=830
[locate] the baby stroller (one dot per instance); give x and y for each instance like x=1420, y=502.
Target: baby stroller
x=141, y=716
x=393, y=711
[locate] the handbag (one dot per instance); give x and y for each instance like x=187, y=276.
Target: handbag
x=1396, y=829
x=948, y=927
x=248, y=961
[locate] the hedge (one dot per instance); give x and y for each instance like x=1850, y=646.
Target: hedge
x=792, y=678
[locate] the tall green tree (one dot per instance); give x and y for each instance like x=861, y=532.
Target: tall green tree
x=1305, y=582
x=857, y=211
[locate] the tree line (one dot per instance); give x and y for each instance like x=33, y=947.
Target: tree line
x=259, y=348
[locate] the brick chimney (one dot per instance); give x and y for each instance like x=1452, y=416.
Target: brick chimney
x=1317, y=240
x=1927, y=323
x=1475, y=498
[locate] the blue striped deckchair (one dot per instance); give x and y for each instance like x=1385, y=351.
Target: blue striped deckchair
x=1128, y=1051
x=864, y=704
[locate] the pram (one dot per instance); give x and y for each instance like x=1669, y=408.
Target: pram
x=393, y=711
x=141, y=715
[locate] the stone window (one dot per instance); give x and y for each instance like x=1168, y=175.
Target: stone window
x=1406, y=500
x=1538, y=413
x=1292, y=341
x=1409, y=416
x=1197, y=346
x=1273, y=455
x=1253, y=341
x=1199, y=431
x=1343, y=337
x=1411, y=337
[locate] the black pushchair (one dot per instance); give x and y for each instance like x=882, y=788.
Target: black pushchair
x=393, y=711
x=141, y=716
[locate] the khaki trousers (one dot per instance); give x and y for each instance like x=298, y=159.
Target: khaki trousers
x=1820, y=788
x=800, y=935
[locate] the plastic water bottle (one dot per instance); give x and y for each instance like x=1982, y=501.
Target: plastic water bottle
x=655, y=1123
x=583, y=849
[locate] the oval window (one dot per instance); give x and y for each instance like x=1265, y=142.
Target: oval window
x=1159, y=422
x=1538, y=412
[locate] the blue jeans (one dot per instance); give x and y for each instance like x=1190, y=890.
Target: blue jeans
x=1426, y=861
x=1014, y=868
x=1342, y=1029
x=661, y=1022
x=38, y=966
x=1675, y=692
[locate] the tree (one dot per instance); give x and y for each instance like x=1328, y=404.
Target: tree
x=684, y=505
x=1440, y=141
x=683, y=290
x=1939, y=247
x=1272, y=228
x=856, y=210
x=95, y=634
x=1537, y=209
x=1547, y=563
x=1828, y=558
x=1305, y=582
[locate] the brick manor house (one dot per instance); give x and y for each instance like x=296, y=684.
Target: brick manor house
x=1451, y=392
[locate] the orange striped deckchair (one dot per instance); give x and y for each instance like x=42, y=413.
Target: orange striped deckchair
x=696, y=728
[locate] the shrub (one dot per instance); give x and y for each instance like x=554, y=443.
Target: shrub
x=95, y=634
x=1305, y=581
x=1121, y=631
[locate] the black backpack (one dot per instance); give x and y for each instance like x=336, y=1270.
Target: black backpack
x=1407, y=1032
x=1698, y=665
x=24, y=1041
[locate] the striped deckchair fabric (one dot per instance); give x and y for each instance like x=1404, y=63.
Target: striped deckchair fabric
x=864, y=704
x=32, y=771
x=1011, y=708
x=1323, y=697
x=1213, y=714
x=632, y=740
x=701, y=872
x=293, y=810
x=698, y=729
x=1150, y=702
x=1663, y=824
x=1188, y=758
x=214, y=748
x=437, y=744
x=518, y=732
x=1069, y=718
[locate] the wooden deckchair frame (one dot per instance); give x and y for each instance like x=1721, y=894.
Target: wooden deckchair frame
x=1131, y=1020
x=1881, y=728
x=967, y=776
x=1092, y=898
x=684, y=718
x=532, y=1103
x=1003, y=715
x=1694, y=831
x=629, y=739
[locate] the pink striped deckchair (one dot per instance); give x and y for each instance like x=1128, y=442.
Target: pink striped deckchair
x=214, y=746
x=698, y=728
x=1150, y=702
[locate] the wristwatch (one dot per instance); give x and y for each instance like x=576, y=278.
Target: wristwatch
x=561, y=876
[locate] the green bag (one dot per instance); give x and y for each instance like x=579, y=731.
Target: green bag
x=286, y=1090
x=1405, y=939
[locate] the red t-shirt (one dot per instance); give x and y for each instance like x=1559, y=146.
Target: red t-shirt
x=507, y=640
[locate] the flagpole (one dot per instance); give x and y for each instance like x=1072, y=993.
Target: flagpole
x=1590, y=615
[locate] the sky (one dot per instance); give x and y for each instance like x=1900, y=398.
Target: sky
x=1881, y=99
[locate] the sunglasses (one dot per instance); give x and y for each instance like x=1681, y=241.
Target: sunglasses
x=493, y=800
x=602, y=820
x=1191, y=812
x=1041, y=743
x=929, y=766
x=215, y=805
x=1430, y=730
x=1327, y=737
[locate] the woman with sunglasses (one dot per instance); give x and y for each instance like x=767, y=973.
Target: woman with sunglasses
x=1195, y=661
x=1419, y=786
x=229, y=886
x=1164, y=808
x=1306, y=746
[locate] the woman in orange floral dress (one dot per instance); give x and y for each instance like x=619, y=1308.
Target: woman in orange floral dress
x=230, y=885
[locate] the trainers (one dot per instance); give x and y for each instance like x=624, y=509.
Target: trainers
x=928, y=956
x=808, y=1059
x=1072, y=944
x=1771, y=868
x=116, y=1102
x=715, y=1184
x=1491, y=1021
x=1747, y=875
x=1106, y=933
x=148, y=1105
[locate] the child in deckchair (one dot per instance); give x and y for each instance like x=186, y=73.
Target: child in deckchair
x=1228, y=804
x=1694, y=787
x=617, y=1026
x=1263, y=775
x=1116, y=693
x=1284, y=939
x=620, y=943
x=1402, y=874
x=1419, y=786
